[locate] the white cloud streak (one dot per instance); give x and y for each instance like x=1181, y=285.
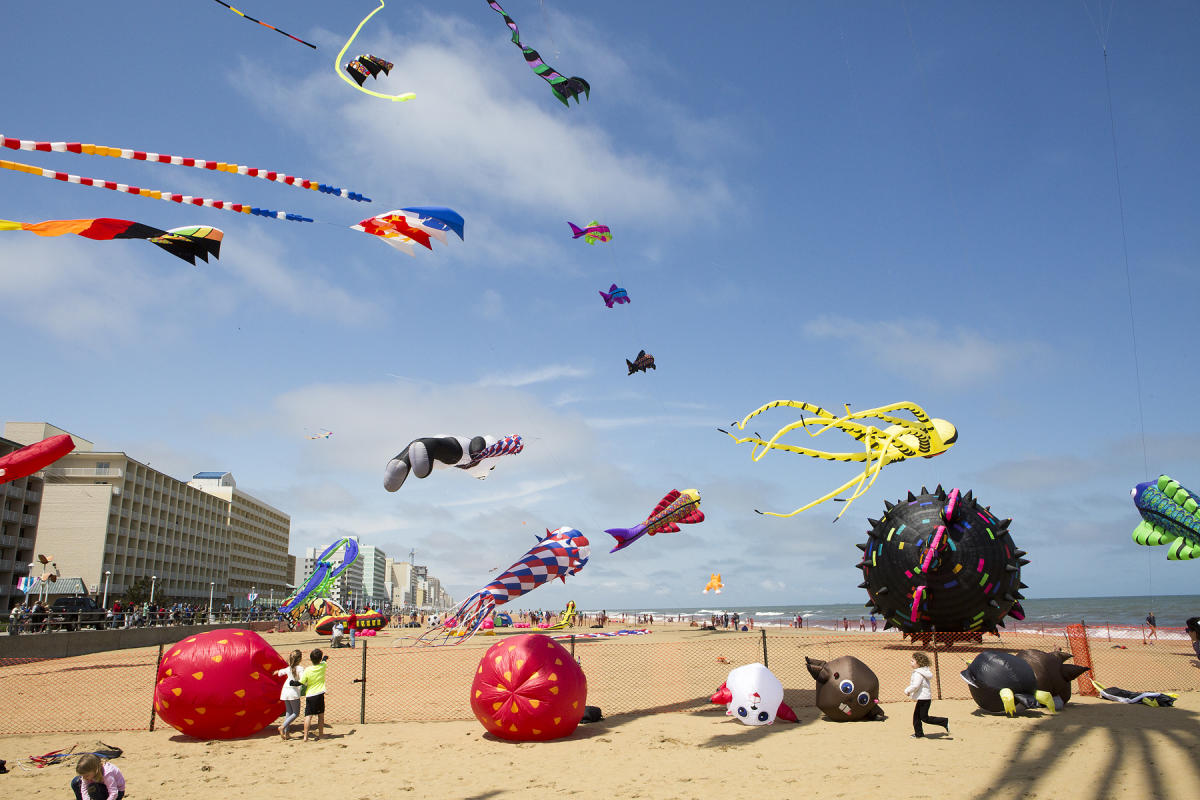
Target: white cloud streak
x=956, y=357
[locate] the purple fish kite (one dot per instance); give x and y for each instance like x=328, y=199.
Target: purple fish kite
x=616, y=295
x=594, y=232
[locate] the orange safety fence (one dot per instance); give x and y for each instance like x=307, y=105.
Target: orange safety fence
x=633, y=674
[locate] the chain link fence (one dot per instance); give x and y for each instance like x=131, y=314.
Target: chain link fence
x=379, y=682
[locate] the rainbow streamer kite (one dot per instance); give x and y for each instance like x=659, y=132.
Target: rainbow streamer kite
x=181, y=161
x=244, y=15
x=189, y=243
x=224, y=205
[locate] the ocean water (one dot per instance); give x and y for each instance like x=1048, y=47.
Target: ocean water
x=1169, y=610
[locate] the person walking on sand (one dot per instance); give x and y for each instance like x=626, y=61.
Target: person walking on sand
x=290, y=693
x=1153, y=623
x=352, y=625
x=918, y=689
x=314, y=694
x=97, y=780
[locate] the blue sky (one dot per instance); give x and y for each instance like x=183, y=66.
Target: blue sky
x=838, y=203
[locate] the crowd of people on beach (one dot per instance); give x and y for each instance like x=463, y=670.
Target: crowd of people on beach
x=40, y=617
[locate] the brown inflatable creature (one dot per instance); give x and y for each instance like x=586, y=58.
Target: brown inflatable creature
x=847, y=689
x=1054, y=674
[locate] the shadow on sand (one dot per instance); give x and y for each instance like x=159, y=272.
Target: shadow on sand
x=1136, y=733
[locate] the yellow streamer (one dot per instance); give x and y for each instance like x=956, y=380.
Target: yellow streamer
x=337, y=64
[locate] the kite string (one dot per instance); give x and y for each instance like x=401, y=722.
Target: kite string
x=549, y=32
x=1102, y=31
x=337, y=63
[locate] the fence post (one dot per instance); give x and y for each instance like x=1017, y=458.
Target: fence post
x=157, y=664
x=763, y=631
x=937, y=670
x=572, y=645
x=362, y=712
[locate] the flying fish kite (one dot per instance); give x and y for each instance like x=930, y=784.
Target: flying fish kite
x=675, y=509
x=615, y=294
x=593, y=233
x=405, y=227
x=563, y=88
x=188, y=243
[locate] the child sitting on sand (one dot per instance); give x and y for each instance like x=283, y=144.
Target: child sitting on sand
x=314, y=695
x=97, y=780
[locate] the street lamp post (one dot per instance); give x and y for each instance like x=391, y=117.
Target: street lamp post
x=153, y=580
x=107, y=575
x=211, y=586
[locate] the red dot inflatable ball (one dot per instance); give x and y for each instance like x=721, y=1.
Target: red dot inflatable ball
x=528, y=688
x=219, y=685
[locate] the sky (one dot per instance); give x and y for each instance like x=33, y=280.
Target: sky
x=830, y=202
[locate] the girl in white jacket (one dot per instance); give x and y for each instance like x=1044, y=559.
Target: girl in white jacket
x=918, y=689
x=289, y=693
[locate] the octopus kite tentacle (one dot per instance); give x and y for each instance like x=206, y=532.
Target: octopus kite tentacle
x=562, y=87
x=337, y=62
x=902, y=439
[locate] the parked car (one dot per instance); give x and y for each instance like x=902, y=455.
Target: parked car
x=71, y=613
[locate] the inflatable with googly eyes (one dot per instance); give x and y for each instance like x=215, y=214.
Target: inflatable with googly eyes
x=753, y=696
x=847, y=689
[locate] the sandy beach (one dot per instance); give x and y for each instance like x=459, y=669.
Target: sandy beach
x=673, y=745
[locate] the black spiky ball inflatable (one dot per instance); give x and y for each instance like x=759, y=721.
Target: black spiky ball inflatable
x=939, y=561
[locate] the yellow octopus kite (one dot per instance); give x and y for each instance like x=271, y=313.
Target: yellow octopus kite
x=902, y=438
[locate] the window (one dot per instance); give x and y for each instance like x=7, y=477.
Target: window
x=102, y=467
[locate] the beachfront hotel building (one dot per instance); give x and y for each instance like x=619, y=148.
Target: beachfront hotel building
x=374, y=563
x=113, y=520
x=258, y=553
x=400, y=583
x=20, y=503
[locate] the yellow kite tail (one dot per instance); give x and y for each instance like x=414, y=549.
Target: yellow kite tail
x=337, y=64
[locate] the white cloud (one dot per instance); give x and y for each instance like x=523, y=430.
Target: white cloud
x=91, y=294
x=550, y=372
x=261, y=262
x=957, y=357
x=485, y=133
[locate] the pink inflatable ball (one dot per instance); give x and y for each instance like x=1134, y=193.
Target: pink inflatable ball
x=520, y=624
x=487, y=625
x=528, y=688
x=219, y=685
